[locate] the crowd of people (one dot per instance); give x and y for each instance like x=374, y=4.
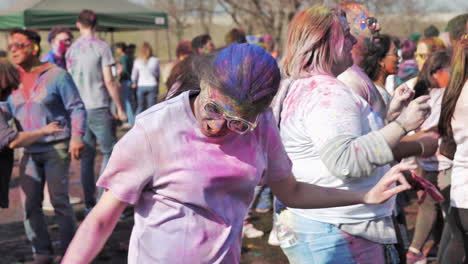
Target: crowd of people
x=328, y=134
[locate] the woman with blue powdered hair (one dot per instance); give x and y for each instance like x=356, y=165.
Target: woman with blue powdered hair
x=190, y=166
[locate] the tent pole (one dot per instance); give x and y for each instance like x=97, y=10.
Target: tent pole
x=168, y=44
x=112, y=37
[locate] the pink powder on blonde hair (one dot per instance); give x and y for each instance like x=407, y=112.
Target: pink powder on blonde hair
x=315, y=41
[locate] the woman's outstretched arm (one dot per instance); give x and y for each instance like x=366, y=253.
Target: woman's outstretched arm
x=95, y=230
x=308, y=196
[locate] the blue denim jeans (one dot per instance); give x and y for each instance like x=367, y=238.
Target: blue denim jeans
x=146, y=97
x=36, y=169
x=265, y=198
x=312, y=242
x=100, y=130
x=127, y=99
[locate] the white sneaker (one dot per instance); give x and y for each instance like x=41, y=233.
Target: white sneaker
x=75, y=200
x=47, y=205
x=127, y=126
x=273, y=238
x=249, y=231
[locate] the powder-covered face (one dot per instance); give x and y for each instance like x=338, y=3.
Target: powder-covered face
x=357, y=16
x=442, y=77
x=390, y=61
x=208, y=47
x=209, y=126
x=346, y=60
x=61, y=43
x=421, y=54
x=21, y=49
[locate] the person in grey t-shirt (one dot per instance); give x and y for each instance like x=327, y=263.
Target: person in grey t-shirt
x=89, y=61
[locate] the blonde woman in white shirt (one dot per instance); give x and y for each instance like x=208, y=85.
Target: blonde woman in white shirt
x=145, y=78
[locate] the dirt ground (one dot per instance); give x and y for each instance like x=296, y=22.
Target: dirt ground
x=15, y=248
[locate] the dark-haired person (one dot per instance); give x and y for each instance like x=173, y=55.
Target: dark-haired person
x=124, y=73
x=432, y=81
x=203, y=44
x=131, y=49
x=192, y=184
x=182, y=78
x=408, y=68
x=431, y=31
x=60, y=39
x=453, y=127
x=10, y=138
x=47, y=93
x=235, y=35
x=89, y=60
x=381, y=60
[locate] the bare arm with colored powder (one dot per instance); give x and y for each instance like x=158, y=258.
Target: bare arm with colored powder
x=114, y=92
x=308, y=196
x=95, y=230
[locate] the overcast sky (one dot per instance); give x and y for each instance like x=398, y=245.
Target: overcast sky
x=433, y=5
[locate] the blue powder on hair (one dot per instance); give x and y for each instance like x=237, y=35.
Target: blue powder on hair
x=248, y=72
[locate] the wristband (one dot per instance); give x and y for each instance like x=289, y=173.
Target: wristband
x=401, y=125
x=422, y=147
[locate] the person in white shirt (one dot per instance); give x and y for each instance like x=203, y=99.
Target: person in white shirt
x=335, y=139
x=145, y=78
x=453, y=127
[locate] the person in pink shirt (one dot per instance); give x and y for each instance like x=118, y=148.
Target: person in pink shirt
x=190, y=166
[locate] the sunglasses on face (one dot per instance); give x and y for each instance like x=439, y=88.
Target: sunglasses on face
x=18, y=45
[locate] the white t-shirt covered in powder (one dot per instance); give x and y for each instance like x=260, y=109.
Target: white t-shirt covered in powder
x=315, y=111
x=190, y=192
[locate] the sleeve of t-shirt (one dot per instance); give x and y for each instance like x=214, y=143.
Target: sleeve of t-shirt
x=7, y=134
x=130, y=168
x=279, y=166
x=334, y=125
x=107, y=59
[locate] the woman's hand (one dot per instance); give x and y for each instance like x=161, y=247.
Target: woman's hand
x=384, y=190
x=415, y=114
x=401, y=98
x=51, y=128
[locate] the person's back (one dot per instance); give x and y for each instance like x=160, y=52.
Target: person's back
x=85, y=59
x=89, y=61
x=148, y=71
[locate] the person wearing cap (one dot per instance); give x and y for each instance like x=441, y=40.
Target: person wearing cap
x=60, y=39
x=190, y=166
